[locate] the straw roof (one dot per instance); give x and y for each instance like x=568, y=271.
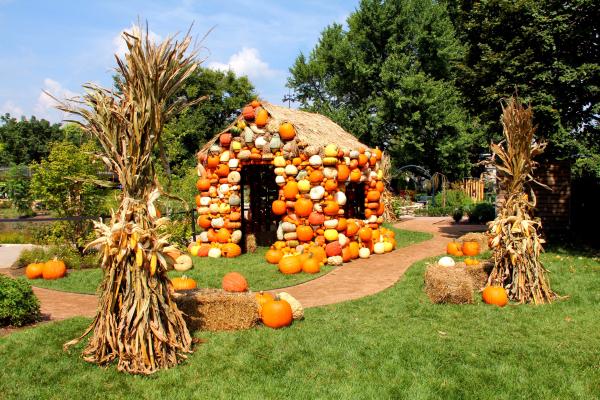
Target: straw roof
x=314, y=129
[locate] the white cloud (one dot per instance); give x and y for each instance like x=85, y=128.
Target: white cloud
x=11, y=108
x=247, y=62
x=119, y=46
x=45, y=105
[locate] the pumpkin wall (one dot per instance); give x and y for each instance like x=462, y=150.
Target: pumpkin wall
x=312, y=181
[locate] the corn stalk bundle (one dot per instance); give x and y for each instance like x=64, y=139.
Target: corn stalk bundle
x=515, y=238
x=387, y=197
x=137, y=321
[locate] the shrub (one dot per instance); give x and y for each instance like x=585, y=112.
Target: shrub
x=435, y=211
x=454, y=199
x=457, y=214
x=481, y=213
x=72, y=258
x=18, y=304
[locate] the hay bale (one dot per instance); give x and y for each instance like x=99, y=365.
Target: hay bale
x=218, y=310
x=478, y=273
x=448, y=285
x=479, y=237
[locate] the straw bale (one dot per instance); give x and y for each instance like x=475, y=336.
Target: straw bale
x=448, y=285
x=479, y=237
x=218, y=310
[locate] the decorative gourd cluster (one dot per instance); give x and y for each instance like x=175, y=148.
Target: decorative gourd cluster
x=312, y=199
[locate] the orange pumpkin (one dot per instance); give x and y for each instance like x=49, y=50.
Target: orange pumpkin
x=380, y=186
x=316, y=177
x=495, y=295
x=303, y=207
x=279, y=207
x=378, y=154
x=346, y=254
x=183, y=283
x=453, y=249
x=316, y=218
x=263, y=298
x=343, y=172
x=204, y=221
x=305, y=233
x=352, y=229
x=222, y=170
x=331, y=208
x=235, y=216
x=373, y=195
x=203, y=250
x=273, y=256
x=231, y=250
x=355, y=175
x=365, y=234
x=223, y=235
x=290, y=190
x=470, y=248
x=342, y=224
x=311, y=266
x=234, y=282
x=290, y=265
x=54, y=269
x=34, y=270
x=354, y=249
x=212, y=161
x=255, y=103
x=248, y=113
x=362, y=160
x=333, y=249
x=277, y=314
x=318, y=253
x=287, y=131
x=203, y=184
x=330, y=185
x=262, y=116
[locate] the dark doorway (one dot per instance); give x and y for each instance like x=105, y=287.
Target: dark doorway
x=259, y=190
x=355, y=200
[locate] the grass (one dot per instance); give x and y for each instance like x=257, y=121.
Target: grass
x=395, y=344
x=209, y=272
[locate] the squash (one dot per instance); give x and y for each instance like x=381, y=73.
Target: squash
x=446, y=262
x=183, y=263
x=495, y=295
x=234, y=282
x=287, y=131
x=331, y=235
x=379, y=248
x=297, y=309
x=183, y=283
x=262, y=116
x=364, y=252
x=277, y=314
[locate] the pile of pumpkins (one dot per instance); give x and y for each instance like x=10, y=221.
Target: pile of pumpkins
x=53, y=269
x=214, y=249
x=312, y=181
x=347, y=242
x=495, y=295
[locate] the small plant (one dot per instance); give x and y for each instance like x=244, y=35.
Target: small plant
x=457, y=214
x=481, y=213
x=18, y=304
x=71, y=257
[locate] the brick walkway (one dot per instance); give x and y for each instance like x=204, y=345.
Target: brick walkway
x=353, y=280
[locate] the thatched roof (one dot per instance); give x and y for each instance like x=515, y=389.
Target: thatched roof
x=314, y=129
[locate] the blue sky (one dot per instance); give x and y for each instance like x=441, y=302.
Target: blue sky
x=58, y=45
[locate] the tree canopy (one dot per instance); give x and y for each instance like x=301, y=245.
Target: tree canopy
x=389, y=79
x=26, y=140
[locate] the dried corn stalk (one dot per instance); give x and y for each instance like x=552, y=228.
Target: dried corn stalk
x=137, y=322
x=515, y=238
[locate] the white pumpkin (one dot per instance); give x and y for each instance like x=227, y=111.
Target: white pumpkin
x=214, y=252
x=236, y=236
x=297, y=309
x=214, y=208
x=343, y=239
x=205, y=201
x=317, y=193
x=233, y=163
x=203, y=210
x=335, y=261
x=280, y=180
x=330, y=173
x=364, y=252
x=203, y=237
x=244, y=154
x=224, y=188
x=372, y=219
x=446, y=262
x=279, y=171
x=260, y=142
x=379, y=248
x=288, y=227
x=291, y=170
x=234, y=177
x=183, y=263
x=217, y=222
x=340, y=198
x=331, y=223
x=225, y=156
x=315, y=160
x=354, y=153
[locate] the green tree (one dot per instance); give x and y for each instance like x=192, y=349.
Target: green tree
x=25, y=140
x=17, y=189
x=389, y=79
x=66, y=183
x=548, y=50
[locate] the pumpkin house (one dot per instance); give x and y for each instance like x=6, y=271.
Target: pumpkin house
x=292, y=180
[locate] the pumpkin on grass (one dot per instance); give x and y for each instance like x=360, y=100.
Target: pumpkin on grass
x=277, y=314
x=495, y=295
x=34, y=270
x=311, y=265
x=231, y=250
x=234, y=282
x=273, y=256
x=290, y=265
x=263, y=298
x=54, y=269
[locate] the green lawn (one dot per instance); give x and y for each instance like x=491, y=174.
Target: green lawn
x=209, y=272
x=395, y=344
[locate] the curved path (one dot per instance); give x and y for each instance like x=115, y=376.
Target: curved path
x=357, y=279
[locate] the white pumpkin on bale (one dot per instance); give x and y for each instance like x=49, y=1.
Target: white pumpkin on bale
x=446, y=262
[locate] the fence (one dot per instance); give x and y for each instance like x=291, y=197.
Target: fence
x=475, y=188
